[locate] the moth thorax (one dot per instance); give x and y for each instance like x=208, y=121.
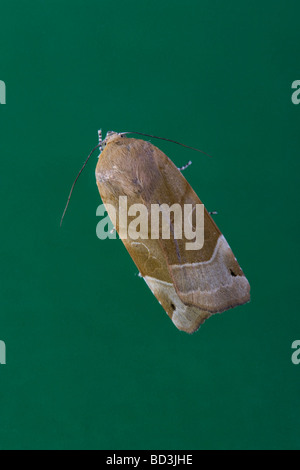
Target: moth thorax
x=110, y=136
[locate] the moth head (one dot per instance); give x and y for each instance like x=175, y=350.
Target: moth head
x=110, y=137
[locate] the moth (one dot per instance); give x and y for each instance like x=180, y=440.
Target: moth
x=190, y=285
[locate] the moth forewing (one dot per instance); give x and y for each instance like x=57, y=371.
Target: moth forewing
x=189, y=284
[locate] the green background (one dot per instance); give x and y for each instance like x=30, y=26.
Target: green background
x=93, y=362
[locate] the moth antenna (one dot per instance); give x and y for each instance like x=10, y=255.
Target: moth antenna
x=76, y=179
x=164, y=138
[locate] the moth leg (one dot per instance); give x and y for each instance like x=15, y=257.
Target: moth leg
x=100, y=141
x=185, y=166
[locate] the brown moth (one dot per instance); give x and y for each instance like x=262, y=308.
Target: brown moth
x=190, y=285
